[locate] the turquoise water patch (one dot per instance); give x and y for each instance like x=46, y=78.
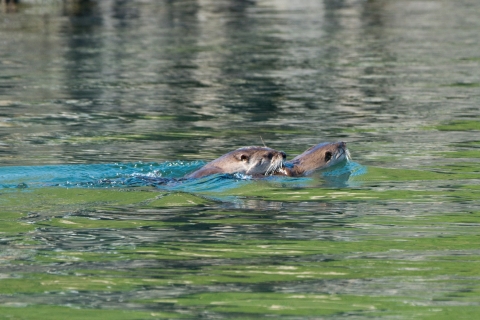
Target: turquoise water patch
x=167, y=175
x=93, y=175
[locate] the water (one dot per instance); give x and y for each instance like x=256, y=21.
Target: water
x=104, y=104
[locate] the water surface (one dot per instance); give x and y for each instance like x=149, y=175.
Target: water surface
x=99, y=101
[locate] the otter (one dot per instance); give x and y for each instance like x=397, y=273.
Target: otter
x=320, y=156
x=253, y=161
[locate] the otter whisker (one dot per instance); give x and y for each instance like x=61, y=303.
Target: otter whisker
x=347, y=155
x=263, y=142
x=274, y=167
x=248, y=170
x=271, y=169
x=280, y=166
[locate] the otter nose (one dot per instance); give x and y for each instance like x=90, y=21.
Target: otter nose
x=342, y=144
x=284, y=155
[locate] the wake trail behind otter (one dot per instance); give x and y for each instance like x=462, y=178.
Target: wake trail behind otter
x=93, y=175
x=166, y=175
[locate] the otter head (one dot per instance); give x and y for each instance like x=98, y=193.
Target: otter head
x=259, y=160
x=246, y=160
x=321, y=156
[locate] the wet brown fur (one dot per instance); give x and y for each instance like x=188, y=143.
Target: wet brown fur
x=320, y=156
x=246, y=160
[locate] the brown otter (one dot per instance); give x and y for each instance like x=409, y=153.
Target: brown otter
x=321, y=156
x=246, y=160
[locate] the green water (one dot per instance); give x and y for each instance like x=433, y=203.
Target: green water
x=99, y=99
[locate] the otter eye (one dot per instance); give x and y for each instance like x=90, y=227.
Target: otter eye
x=328, y=156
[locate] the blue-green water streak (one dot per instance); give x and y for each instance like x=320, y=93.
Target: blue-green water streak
x=166, y=175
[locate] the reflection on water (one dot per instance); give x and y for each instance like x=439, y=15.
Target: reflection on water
x=115, y=81
x=105, y=105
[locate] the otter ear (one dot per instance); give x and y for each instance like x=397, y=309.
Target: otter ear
x=243, y=157
x=328, y=156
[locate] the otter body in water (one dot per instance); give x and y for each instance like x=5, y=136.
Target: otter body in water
x=247, y=160
x=320, y=156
